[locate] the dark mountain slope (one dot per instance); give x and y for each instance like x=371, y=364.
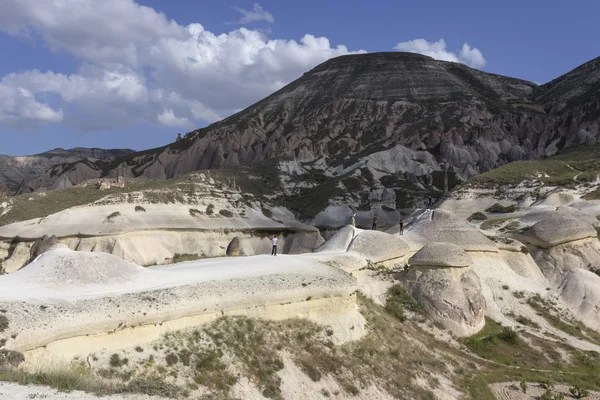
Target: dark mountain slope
x=353, y=106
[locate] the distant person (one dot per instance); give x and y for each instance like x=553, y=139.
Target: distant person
x=374, y=227
x=430, y=204
x=402, y=227
x=274, y=243
x=353, y=218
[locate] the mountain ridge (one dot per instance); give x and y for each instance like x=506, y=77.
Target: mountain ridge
x=355, y=105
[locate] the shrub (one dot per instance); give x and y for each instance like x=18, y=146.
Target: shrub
x=113, y=215
x=547, y=384
x=578, y=392
x=116, y=361
x=154, y=386
x=266, y=212
x=508, y=335
x=9, y=357
x=309, y=298
x=210, y=209
x=526, y=321
x=171, y=359
x=139, y=349
x=500, y=209
x=478, y=216
x=194, y=212
x=226, y=213
x=140, y=209
x=523, y=385
x=3, y=323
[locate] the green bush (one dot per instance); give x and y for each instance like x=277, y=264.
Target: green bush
x=478, y=216
x=508, y=335
x=398, y=299
x=226, y=213
x=523, y=385
x=210, y=209
x=500, y=209
x=171, y=359
x=140, y=209
x=578, y=392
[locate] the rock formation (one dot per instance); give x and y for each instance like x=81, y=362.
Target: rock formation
x=352, y=106
x=441, y=278
x=18, y=169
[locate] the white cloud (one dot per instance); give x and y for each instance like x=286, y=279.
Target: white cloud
x=136, y=65
x=256, y=14
x=167, y=117
x=20, y=108
x=467, y=55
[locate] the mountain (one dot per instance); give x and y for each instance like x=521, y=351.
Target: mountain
x=14, y=170
x=354, y=106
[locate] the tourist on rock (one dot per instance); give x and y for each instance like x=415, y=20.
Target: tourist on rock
x=374, y=222
x=274, y=243
x=402, y=227
x=430, y=204
x=353, y=218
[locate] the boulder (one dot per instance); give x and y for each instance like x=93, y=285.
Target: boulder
x=233, y=248
x=451, y=293
x=379, y=246
x=42, y=245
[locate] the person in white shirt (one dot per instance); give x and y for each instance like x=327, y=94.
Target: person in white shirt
x=274, y=243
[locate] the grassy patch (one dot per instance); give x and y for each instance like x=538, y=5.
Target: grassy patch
x=3, y=323
x=495, y=222
x=177, y=258
x=574, y=328
x=398, y=300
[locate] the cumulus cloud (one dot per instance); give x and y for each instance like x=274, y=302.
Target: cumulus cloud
x=438, y=50
x=167, y=117
x=256, y=14
x=137, y=65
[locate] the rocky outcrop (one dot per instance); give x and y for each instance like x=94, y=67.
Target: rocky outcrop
x=556, y=229
x=353, y=106
x=14, y=170
x=42, y=245
x=447, y=288
x=443, y=226
x=233, y=248
x=378, y=246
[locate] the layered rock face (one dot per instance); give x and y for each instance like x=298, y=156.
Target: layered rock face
x=15, y=170
x=441, y=278
x=352, y=106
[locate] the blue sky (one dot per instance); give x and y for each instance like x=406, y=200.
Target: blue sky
x=125, y=74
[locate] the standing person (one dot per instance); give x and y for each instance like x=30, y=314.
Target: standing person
x=274, y=243
x=374, y=222
x=430, y=204
x=402, y=227
x=353, y=218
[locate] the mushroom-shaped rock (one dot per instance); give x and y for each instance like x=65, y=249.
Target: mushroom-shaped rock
x=441, y=255
x=233, y=248
x=442, y=280
x=340, y=241
x=379, y=246
x=555, y=230
x=443, y=226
